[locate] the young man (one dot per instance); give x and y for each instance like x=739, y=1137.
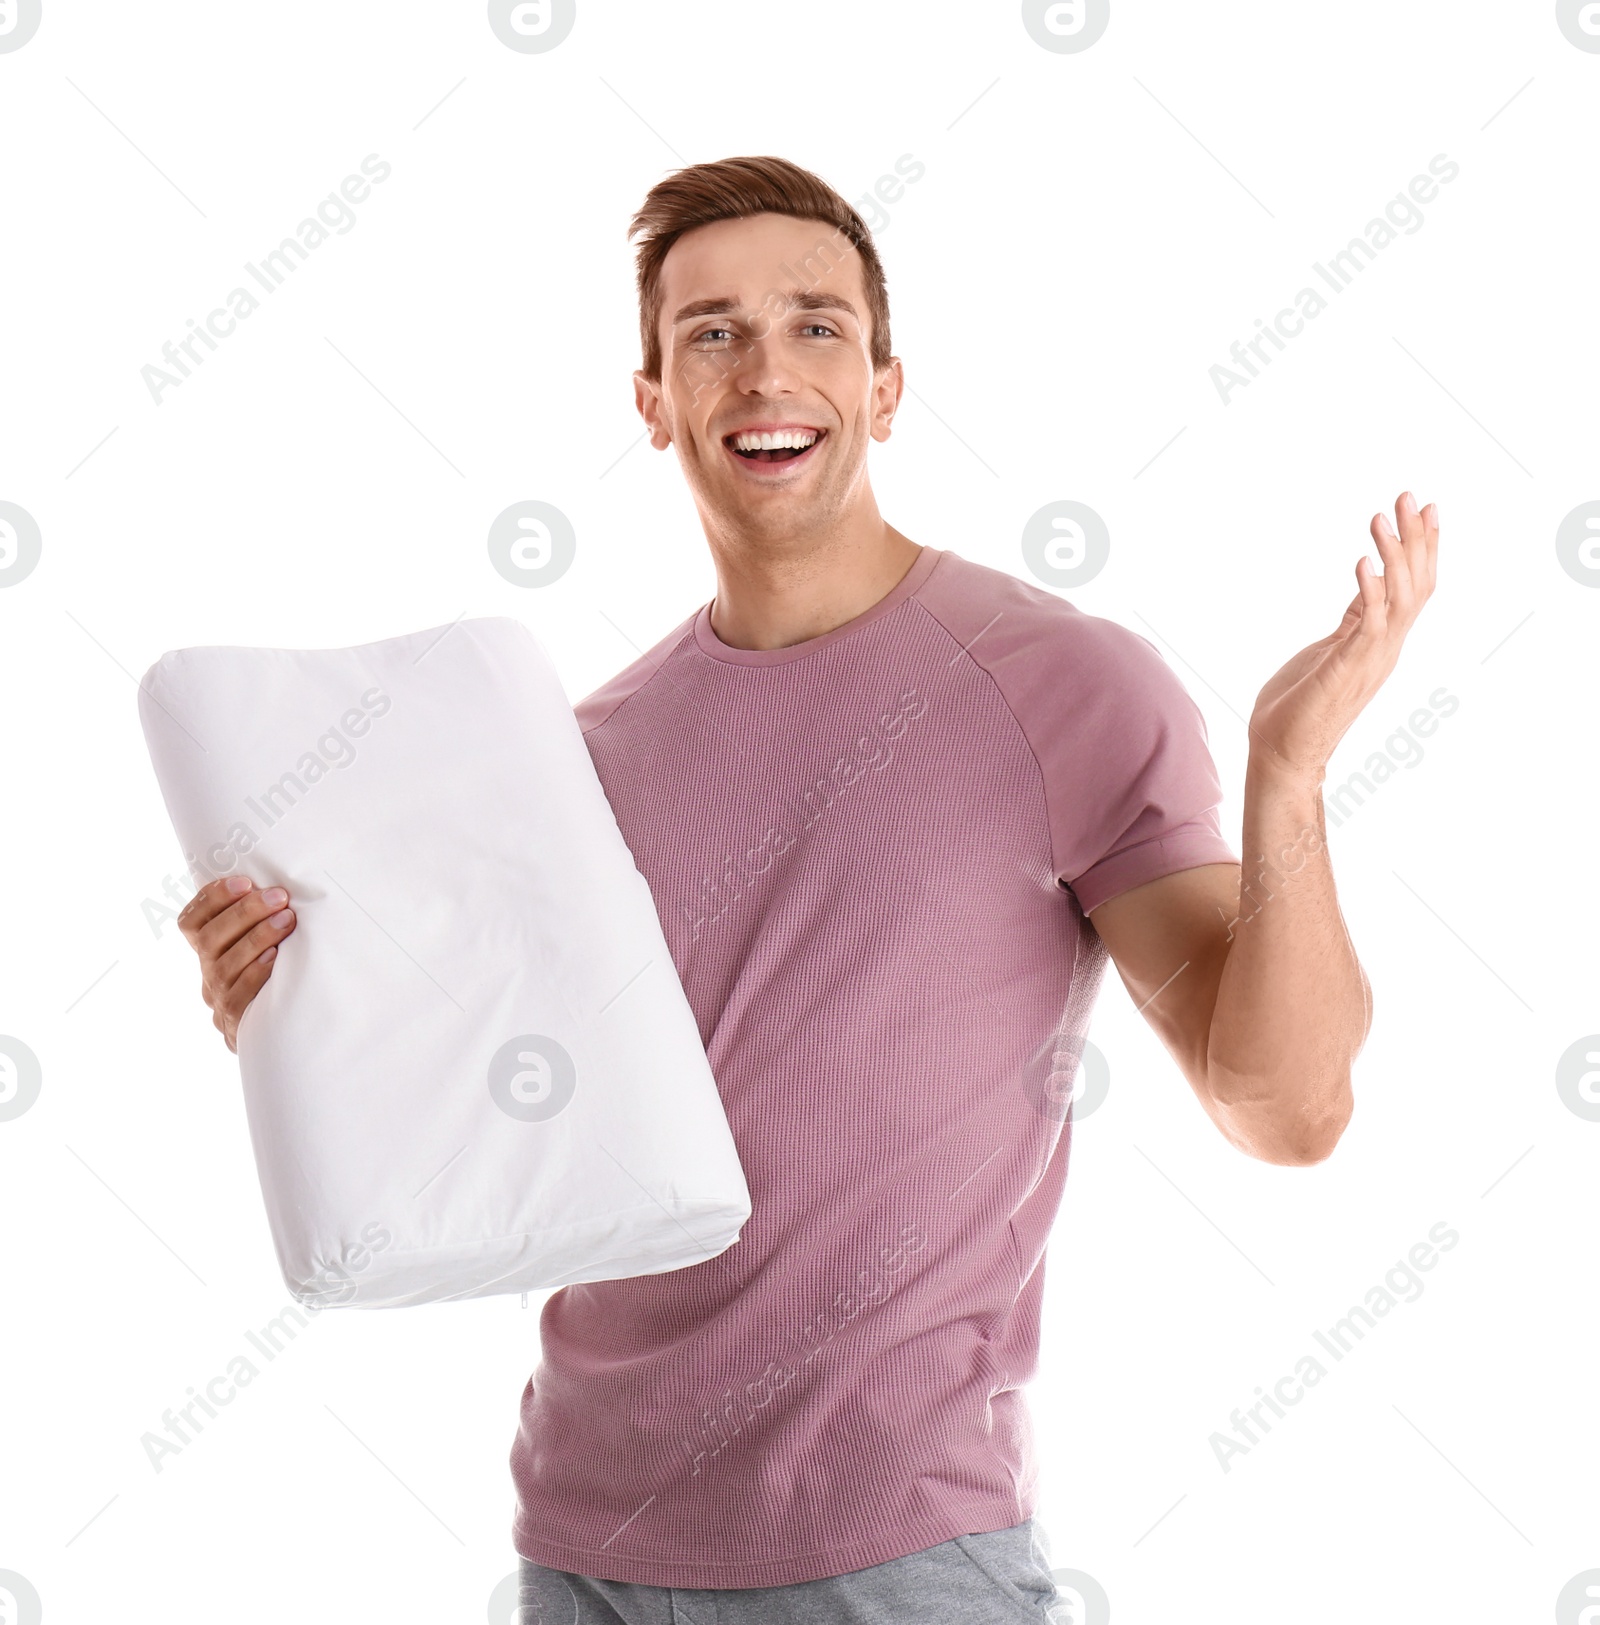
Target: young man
x=895, y=809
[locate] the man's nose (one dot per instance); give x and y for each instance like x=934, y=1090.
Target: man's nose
x=765, y=367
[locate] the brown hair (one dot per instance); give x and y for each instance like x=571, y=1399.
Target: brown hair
x=733, y=189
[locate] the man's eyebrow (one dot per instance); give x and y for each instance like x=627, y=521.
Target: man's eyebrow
x=799, y=299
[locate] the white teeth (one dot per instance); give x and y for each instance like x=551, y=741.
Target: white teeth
x=792, y=439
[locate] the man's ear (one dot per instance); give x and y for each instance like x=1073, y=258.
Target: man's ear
x=886, y=392
x=647, y=397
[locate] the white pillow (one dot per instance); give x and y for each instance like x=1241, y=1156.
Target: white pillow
x=473, y=1069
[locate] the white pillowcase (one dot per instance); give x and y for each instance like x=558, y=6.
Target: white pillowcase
x=473, y=1069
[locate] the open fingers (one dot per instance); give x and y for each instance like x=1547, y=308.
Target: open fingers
x=1413, y=528
x=1430, y=544
x=1397, y=584
x=1419, y=536
x=1371, y=595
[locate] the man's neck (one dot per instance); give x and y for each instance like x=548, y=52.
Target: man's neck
x=767, y=601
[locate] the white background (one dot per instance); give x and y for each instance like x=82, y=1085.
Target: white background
x=1091, y=234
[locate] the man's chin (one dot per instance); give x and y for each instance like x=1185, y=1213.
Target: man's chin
x=770, y=513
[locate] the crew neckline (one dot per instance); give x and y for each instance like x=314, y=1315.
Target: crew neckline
x=921, y=568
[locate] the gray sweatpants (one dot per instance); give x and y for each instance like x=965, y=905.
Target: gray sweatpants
x=996, y=1578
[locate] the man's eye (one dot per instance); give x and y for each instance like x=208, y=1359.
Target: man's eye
x=710, y=332
x=819, y=327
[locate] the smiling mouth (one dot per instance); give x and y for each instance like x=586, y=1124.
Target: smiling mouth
x=787, y=453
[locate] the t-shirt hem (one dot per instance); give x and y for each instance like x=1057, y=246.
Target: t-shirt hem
x=1154, y=859
x=744, y=1574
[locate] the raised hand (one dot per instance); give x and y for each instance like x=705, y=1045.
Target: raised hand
x=1308, y=706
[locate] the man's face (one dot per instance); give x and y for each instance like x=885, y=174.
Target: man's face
x=764, y=329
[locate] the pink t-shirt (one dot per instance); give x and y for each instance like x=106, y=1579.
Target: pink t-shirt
x=872, y=854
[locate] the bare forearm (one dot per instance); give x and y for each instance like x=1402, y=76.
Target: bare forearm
x=1293, y=1007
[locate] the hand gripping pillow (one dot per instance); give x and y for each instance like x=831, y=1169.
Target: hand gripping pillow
x=473, y=1069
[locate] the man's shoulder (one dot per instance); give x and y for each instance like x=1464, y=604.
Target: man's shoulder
x=1019, y=630
x=597, y=708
